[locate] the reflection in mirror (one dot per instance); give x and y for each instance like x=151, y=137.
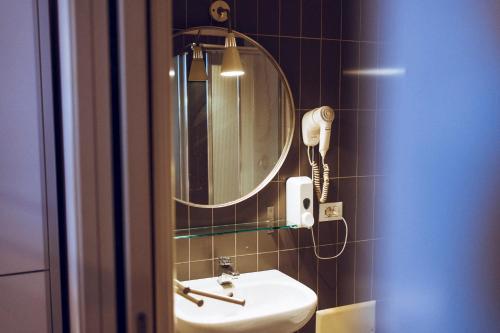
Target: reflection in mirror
x=233, y=133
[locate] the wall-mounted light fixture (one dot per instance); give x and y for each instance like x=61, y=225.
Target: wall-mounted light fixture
x=197, y=71
x=231, y=62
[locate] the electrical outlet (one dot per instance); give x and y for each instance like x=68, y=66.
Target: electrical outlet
x=330, y=211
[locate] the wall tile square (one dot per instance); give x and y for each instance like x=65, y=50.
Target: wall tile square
x=330, y=73
x=246, y=211
x=368, y=84
x=327, y=278
x=182, y=271
x=268, y=197
x=246, y=264
x=351, y=27
x=379, y=284
x=365, y=208
x=246, y=243
x=290, y=63
x=197, y=14
x=181, y=250
x=349, y=83
x=348, y=143
x=290, y=167
x=347, y=194
x=345, y=275
x=268, y=18
x=267, y=240
x=288, y=239
x=332, y=18
x=310, y=73
x=200, y=269
x=308, y=268
x=181, y=216
x=272, y=45
x=282, y=201
x=179, y=14
x=369, y=20
x=378, y=216
x=200, y=217
x=267, y=261
x=363, y=281
x=201, y=248
x=305, y=237
x=246, y=16
x=366, y=142
x=290, y=18
x=289, y=262
x=225, y=245
x=311, y=25
x=224, y=215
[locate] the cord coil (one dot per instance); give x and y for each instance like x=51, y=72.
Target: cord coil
x=321, y=191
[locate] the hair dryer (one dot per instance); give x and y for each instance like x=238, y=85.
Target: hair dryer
x=316, y=129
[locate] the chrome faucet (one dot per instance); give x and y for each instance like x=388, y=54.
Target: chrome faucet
x=227, y=272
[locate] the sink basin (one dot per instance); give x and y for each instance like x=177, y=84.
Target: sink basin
x=275, y=303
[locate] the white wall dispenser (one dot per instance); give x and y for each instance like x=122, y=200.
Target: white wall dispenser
x=299, y=202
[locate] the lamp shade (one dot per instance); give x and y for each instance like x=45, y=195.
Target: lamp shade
x=231, y=62
x=197, y=71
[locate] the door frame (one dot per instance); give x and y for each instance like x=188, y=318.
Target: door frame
x=139, y=235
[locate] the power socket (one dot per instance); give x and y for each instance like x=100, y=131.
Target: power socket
x=330, y=211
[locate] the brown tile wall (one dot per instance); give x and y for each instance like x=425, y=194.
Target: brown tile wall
x=313, y=40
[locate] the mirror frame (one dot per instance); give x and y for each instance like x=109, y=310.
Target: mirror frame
x=279, y=163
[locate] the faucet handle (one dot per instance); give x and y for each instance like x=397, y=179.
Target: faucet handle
x=224, y=262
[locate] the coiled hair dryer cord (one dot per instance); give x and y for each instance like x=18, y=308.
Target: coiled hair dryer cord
x=321, y=193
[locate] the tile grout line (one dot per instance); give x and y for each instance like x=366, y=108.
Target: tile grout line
x=291, y=249
x=316, y=38
x=374, y=196
x=300, y=105
x=278, y=185
x=357, y=155
x=189, y=242
x=338, y=149
x=320, y=102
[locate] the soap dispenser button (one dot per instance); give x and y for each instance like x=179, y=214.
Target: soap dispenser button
x=306, y=203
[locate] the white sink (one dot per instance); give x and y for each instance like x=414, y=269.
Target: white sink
x=275, y=303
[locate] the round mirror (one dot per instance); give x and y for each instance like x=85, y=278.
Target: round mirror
x=233, y=116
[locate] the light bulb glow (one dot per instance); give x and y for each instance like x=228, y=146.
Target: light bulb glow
x=232, y=73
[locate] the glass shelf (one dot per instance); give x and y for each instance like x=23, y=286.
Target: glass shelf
x=231, y=229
